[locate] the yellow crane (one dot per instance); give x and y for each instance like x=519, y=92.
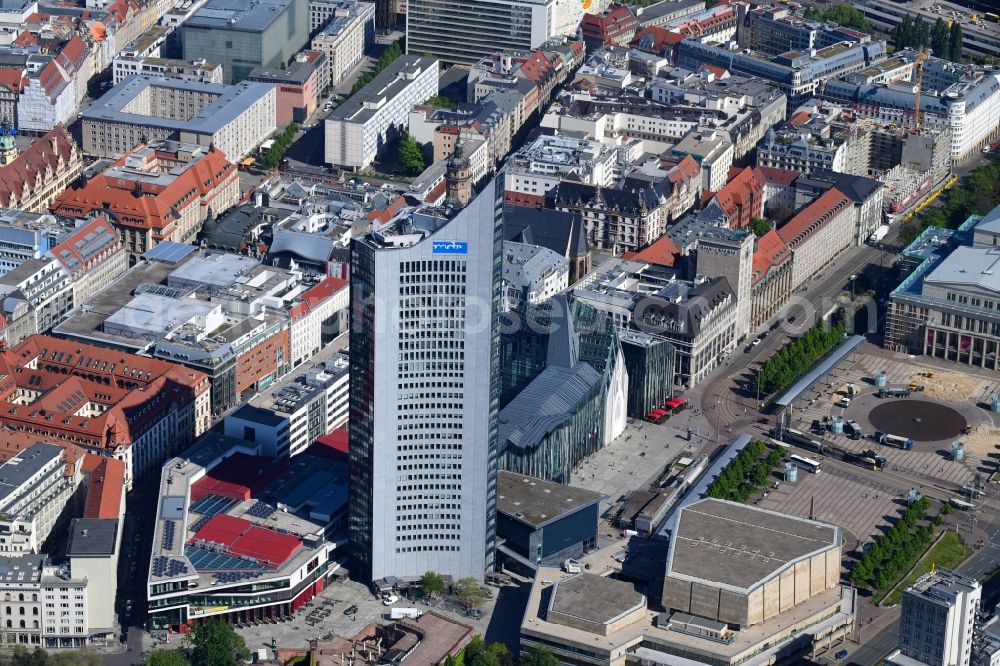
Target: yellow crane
x=918, y=65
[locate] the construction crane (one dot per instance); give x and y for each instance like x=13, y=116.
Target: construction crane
x=918, y=65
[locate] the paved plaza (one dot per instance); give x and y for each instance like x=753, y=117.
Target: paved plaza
x=854, y=504
x=638, y=457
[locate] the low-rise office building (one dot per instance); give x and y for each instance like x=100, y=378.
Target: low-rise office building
x=223, y=314
x=298, y=87
x=377, y=113
x=235, y=119
x=543, y=523
x=531, y=274
x=818, y=233
x=290, y=415
x=34, y=491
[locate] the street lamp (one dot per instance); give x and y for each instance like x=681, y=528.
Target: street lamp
x=851, y=280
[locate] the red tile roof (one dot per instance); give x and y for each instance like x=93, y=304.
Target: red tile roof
x=661, y=252
x=104, y=493
x=688, y=168
x=719, y=72
x=316, y=295
x=34, y=163
x=785, y=177
x=158, y=206
x=66, y=373
x=800, y=118
x=13, y=79
x=770, y=251
x=739, y=192
x=814, y=216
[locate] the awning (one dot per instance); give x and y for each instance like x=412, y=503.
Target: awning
x=657, y=413
x=674, y=403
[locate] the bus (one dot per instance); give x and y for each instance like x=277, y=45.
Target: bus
x=896, y=441
x=808, y=464
x=961, y=504
x=990, y=16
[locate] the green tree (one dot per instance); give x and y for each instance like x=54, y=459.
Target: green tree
x=955, y=42
x=946, y=509
x=441, y=101
x=484, y=658
x=940, y=39
x=538, y=657
x=759, y=226
x=217, y=644
x=473, y=649
x=470, y=592
x=503, y=655
x=166, y=658
x=848, y=16
x=902, y=34
x=432, y=583
x=411, y=157
x=84, y=657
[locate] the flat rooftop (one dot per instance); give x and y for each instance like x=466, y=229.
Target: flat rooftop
x=388, y=83
x=538, y=502
x=969, y=266
x=87, y=322
x=92, y=537
x=229, y=103
x=595, y=599
x=237, y=15
x=725, y=543
x=812, y=616
x=16, y=472
x=297, y=387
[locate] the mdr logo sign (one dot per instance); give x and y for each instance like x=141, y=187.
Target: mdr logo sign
x=450, y=247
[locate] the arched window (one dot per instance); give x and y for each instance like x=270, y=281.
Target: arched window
x=22, y=624
x=34, y=611
x=34, y=597
x=22, y=610
x=9, y=625
x=10, y=611
x=20, y=597
x=34, y=624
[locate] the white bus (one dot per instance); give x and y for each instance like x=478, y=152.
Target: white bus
x=808, y=464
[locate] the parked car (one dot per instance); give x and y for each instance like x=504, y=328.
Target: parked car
x=351, y=610
x=755, y=342
x=844, y=402
x=840, y=654
x=791, y=319
x=389, y=599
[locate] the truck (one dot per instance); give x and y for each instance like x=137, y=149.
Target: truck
x=880, y=232
x=894, y=392
x=408, y=613
x=853, y=430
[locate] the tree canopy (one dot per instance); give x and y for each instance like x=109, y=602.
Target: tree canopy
x=166, y=658
x=217, y=644
x=432, y=583
x=794, y=359
x=845, y=15
x=977, y=195
x=470, y=592
x=759, y=226
x=411, y=157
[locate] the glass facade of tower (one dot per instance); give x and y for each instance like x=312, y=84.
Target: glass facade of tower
x=465, y=31
x=425, y=293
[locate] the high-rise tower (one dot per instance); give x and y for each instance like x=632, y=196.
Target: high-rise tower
x=425, y=304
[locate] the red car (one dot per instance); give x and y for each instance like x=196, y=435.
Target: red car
x=763, y=421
